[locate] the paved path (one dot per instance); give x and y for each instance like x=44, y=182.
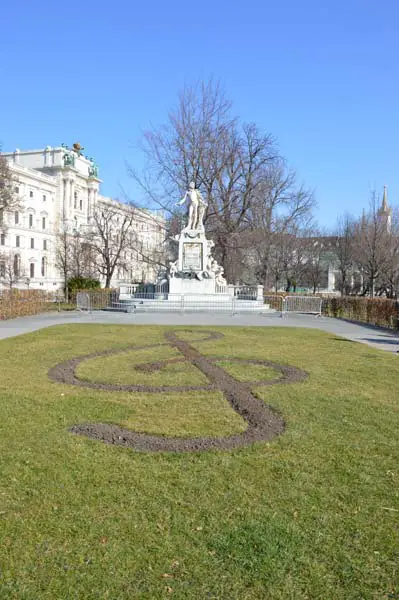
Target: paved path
x=378, y=338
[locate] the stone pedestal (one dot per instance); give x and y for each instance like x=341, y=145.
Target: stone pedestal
x=194, y=251
x=178, y=285
x=195, y=270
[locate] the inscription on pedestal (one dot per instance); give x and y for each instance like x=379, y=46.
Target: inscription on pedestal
x=192, y=256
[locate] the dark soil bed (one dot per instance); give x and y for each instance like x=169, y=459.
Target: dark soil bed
x=264, y=423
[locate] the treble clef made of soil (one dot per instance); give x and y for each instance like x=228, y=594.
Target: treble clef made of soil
x=263, y=423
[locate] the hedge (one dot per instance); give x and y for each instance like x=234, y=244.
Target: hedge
x=376, y=311
x=18, y=303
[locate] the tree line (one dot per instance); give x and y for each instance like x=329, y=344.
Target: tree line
x=260, y=216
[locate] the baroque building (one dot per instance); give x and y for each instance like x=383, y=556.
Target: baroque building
x=57, y=188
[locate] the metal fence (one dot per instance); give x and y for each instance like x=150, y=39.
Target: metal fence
x=302, y=304
x=242, y=301
x=95, y=300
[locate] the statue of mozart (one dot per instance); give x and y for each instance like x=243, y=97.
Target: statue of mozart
x=196, y=208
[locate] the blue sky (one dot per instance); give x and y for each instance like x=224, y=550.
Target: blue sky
x=322, y=76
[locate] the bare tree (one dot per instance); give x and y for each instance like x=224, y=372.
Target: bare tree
x=388, y=281
x=295, y=259
x=372, y=246
x=112, y=235
x=317, y=250
x=63, y=255
x=11, y=271
x=9, y=198
x=344, y=250
x=279, y=254
x=204, y=143
x=82, y=258
x=280, y=213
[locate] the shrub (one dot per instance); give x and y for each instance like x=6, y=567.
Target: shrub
x=377, y=311
x=82, y=283
x=19, y=303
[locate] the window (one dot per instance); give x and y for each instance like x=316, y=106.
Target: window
x=2, y=239
x=75, y=199
x=32, y=242
x=81, y=204
x=43, y=222
x=17, y=241
x=30, y=220
x=44, y=266
x=1, y=216
x=32, y=270
x=16, y=217
x=17, y=265
x=17, y=190
x=31, y=194
x=44, y=197
x=44, y=244
x=2, y=268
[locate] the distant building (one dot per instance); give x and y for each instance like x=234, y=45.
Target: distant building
x=385, y=212
x=330, y=281
x=59, y=186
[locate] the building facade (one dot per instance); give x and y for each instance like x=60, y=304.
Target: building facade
x=59, y=188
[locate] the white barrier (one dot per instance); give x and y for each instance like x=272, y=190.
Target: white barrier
x=302, y=304
x=153, y=302
x=83, y=301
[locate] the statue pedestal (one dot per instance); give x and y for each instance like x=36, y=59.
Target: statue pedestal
x=179, y=285
x=194, y=251
x=194, y=270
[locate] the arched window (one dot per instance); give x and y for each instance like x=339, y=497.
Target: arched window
x=75, y=199
x=17, y=265
x=44, y=266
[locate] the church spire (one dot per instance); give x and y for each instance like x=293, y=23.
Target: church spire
x=363, y=221
x=384, y=207
x=385, y=213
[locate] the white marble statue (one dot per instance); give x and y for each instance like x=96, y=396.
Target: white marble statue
x=220, y=279
x=173, y=269
x=196, y=208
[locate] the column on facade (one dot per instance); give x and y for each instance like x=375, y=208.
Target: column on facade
x=65, y=211
x=93, y=206
x=71, y=192
x=88, y=203
x=90, y=200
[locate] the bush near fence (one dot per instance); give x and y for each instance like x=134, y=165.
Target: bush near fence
x=382, y=312
x=376, y=311
x=18, y=303
x=275, y=301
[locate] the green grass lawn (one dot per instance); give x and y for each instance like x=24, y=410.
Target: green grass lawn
x=312, y=514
